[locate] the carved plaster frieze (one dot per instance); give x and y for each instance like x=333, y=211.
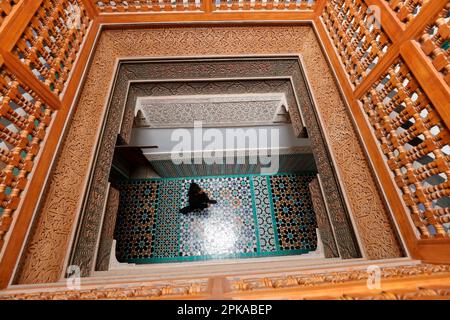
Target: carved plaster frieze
x=249, y=112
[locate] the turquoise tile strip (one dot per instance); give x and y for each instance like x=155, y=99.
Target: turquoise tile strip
x=279, y=174
x=241, y=165
x=274, y=221
x=252, y=188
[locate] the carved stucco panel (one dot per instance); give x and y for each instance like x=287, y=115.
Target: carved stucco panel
x=44, y=256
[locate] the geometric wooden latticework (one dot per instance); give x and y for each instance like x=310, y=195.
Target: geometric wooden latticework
x=5, y=8
x=357, y=36
x=416, y=143
x=50, y=43
x=23, y=122
x=435, y=43
x=406, y=10
x=35, y=62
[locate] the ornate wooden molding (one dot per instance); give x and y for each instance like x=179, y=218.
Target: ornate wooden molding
x=323, y=221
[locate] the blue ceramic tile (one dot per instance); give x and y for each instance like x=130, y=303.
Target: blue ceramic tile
x=254, y=216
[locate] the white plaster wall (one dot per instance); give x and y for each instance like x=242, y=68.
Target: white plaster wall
x=162, y=138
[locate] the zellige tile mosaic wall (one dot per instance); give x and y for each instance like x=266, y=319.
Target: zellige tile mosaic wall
x=255, y=216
